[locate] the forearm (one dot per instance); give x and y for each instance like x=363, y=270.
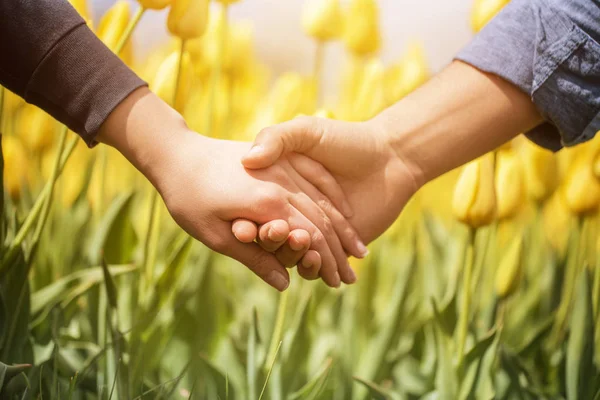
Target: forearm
x=146, y=131
x=459, y=115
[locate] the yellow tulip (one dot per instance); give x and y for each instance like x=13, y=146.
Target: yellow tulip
x=510, y=270
x=154, y=4
x=324, y=113
x=581, y=188
x=113, y=23
x=484, y=11
x=322, y=19
x=36, y=128
x=509, y=184
x=557, y=220
x=15, y=161
x=188, y=18
x=112, y=27
x=541, y=171
x=164, y=81
x=292, y=95
x=81, y=6
x=361, y=30
x=74, y=175
x=227, y=2
x=370, y=96
x=408, y=74
x=238, y=52
x=474, y=200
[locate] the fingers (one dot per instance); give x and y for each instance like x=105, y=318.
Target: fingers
x=273, y=235
x=310, y=265
x=324, y=240
x=245, y=231
x=346, y=233
x=295, y=248
x=259, y=261
x=319, y=176
x=299, y=135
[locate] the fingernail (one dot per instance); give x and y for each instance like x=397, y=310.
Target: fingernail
x=255, y=151
x=337, y=280
x=271, y=234
x=352, y=275
x=362, y=249
x=347, y=209
x=277, y=279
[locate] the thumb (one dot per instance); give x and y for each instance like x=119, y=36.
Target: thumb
x=261, y=262
x=299, y=135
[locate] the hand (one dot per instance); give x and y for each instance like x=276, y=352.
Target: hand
x=377, y=182
x=205, y=188
x=224, y=191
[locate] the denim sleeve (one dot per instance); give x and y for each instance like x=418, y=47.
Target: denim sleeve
x=549, y=49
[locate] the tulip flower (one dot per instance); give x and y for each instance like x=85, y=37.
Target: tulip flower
x=484, y=11
x=557, y=223
x=36, y=128
x=361, y=30
x=164, y=82
x=113, y=23
x=474, y=200
x=582, y=189
x=408, y=74
x=509, y=184
x=541, y=171
x=322, y=19
x=81, y=6
x=370, y=96
x=154, y=4
x=510, y=270
x=188, y=18
x=227, y=2
x=292, y=95
x=15, y=161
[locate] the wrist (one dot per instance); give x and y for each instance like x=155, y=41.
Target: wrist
x=148, y=133
x=395, y=135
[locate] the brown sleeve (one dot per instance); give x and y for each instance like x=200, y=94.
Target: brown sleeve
x=52, y=59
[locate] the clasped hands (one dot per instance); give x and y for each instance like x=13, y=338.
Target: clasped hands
x=310, y=191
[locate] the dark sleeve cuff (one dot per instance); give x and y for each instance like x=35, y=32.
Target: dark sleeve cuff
x=80, y=81
x=543, y=52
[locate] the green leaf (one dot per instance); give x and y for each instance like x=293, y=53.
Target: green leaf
x=312, y=388
x=376, y=391
x=251, y=356
x=215, y=380
x=109, y=283
x=474, y=364
x=172, y=272
x=580, y=370
x=446, y=317
x=115, y=236
x=534, y=341
x=7, y=372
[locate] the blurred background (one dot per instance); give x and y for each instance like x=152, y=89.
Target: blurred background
x=441, y=25
x=487, y=286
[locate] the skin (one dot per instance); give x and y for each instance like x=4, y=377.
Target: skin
x=459, y=115
x=206, y=188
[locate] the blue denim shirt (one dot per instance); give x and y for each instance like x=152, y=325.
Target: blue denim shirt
x=549, y=49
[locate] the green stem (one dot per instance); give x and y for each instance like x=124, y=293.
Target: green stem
x=178, y=76
x=151, y=241
x=596, y=290
x=463, y=323
x=216, y=74
x=318, y=69
x=36, y=210
x=53, y=178
x=277, y=330
x=129, y=30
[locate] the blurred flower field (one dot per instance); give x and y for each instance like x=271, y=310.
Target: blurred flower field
x=488, y=285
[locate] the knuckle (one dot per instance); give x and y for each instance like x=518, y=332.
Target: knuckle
x=258, y=262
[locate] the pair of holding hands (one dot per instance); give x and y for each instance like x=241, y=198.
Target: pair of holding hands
x=310, y=191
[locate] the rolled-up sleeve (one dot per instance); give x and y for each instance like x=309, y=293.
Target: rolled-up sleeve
x=549, y=49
